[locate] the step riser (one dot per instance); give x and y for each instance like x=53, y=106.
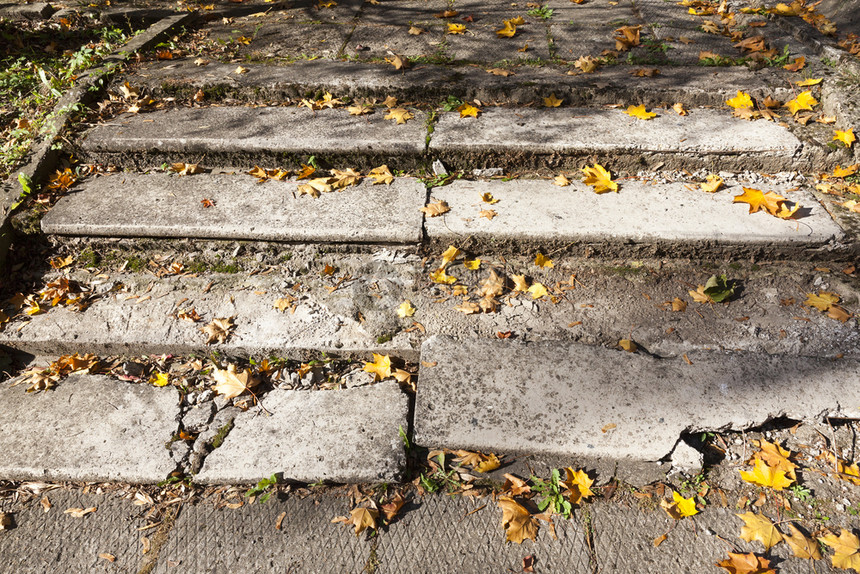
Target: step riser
x=433, y=84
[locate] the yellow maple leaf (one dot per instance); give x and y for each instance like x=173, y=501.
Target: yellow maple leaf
x=472, y=264
x=468, y=308
x=381, y=175
x=628, y=345
x=306, y=172
x=468, y=110
x=846, y=548
x=785, y=212
x=639, y=112
x=542, y=260
x=758, y=527
x=508, y=30
x=579, y=485
x=314, y=186
x=747, y=563
x=757, y=200
x=808, y=82
x=742, y=100
x=775, y=456
x=439, y=276
x=804, y=101
x=586, y=64
x=537, y=290
x=599, y=178
x=405, y=310
x=231, y=382
x=488, y=463
x=845, y=136
x=552, y=101
x=517, y=521
x=841, y=172
x=764, y=475
x=435, y=209
x=680, y=507
x=488, y=198
x=456, y=28
x=712, y=183
x=160, y=379
x=802, y=546
x=626, y=37
x=561, y=181
x=520, y=283
x=218, y=330
x=380, y=367
x=517, y=21
x=449, y=255
x=822, y=301
x=399, y=115
x=363, y=518
x=680, y=109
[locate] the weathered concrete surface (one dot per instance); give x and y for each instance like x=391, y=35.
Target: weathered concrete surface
x=559, y=398
x=694, y=86
x=90, y=428
x=567, y=137
x=142, y=320
x=163, y=205
x=349, y=435
x=207, y=539
x=624, y=542
x=47, y=542
x=668, y=216
x=34, y=11
x=245, y=136
x=438, y=533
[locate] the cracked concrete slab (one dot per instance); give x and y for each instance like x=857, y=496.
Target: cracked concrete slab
x=163, y=205
x=349, y=435
x=668, y=215
x=141, y=319
x=488, y=395
x=90, y=428
x=567, y=137
x=244, y=136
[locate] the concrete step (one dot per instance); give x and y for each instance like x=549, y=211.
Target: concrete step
x=556, y=398
x=165, y=206
x=432, y=83
x=516, y=139
x=94, y=428
x=346, y=304
x=648, y=216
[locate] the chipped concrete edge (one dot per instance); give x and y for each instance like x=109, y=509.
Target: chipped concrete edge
x=43, y=156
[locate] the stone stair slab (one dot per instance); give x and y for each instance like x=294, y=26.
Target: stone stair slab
x=350, y=435
x=89, y=428
x=141, y=318
x=642, y=216
x=167, y=206
x=243, y=136
x=569, y=137
x=558, y=398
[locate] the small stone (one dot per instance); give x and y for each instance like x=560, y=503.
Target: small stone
x=356, y=378
x=488, y=172
x=179, y=450
x=439, y=168
x=840, y=507
x=205, y=396
x=197, y=418
x=686, y=458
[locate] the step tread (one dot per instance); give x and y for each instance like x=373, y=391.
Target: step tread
x=586, y=130
x=41, y=441
x=164, y=205
x=562, y=398
x=346, y=436
x=540, y=212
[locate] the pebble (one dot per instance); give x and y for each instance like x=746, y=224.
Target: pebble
x=439, y=168
x=205, y=396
